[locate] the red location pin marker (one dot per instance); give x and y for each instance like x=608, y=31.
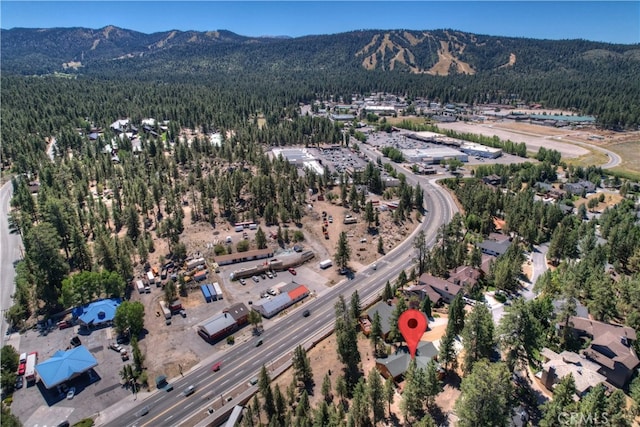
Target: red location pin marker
x=412, y=324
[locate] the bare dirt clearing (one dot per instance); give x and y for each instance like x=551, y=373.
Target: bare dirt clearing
x=532, y=135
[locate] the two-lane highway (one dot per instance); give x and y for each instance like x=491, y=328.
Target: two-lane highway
x=243, y=361
x=10, y=245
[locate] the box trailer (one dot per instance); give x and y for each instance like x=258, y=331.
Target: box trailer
x=212, y=291
x=326, y=264
x=194, y=263
x=140, y=286
x=165, y=311
x=150, y=277
x=218, y=289
x=30, y=370
x=206, y=293
x=253, y=226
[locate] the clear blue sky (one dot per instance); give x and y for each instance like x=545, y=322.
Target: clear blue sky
x=614, y=22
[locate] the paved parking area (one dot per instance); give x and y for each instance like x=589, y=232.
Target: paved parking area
x=37, y=406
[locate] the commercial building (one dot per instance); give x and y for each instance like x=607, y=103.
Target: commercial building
x=478, y=150
x=96, y=314
x=269, y=307
x=433, y=155
x=222, y=324
x=65, y=365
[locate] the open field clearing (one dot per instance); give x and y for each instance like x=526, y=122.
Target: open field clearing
x=630, y=153
x=541, y=137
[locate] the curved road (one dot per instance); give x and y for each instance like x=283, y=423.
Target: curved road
x=10, y=245
x=243, y=362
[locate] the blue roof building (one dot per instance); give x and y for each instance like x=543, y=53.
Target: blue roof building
x=97, y=313
x=65, y=365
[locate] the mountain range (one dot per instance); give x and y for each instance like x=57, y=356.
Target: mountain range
x=433, y=52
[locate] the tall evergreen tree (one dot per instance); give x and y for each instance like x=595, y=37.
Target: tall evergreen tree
x=477, y=336
x=485, y=398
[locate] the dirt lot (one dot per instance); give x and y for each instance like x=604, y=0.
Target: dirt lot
x=532, y=135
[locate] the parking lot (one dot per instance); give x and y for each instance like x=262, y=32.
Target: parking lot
x=94, y=391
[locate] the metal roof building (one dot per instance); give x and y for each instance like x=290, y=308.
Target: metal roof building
x=217, y=326
x=65, y=365
x=97, y=313
x=269, y=307
x=433, y=154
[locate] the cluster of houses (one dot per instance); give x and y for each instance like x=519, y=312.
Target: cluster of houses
x=609, y=359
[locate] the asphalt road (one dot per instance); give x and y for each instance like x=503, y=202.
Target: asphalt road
x=243, y=362
x=10, y=245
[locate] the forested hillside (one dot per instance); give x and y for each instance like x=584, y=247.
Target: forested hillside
x=272, y=74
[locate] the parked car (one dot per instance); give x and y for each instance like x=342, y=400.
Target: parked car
x=19, y=382
x=115, y=347
x=271, y=291
x=75, y=341
x=255, y=279
x=64, y=324
x=269, y=275
x=243, y=282
x=263, y=276
x=292, y=271
x=71, y=393
x=22, y=367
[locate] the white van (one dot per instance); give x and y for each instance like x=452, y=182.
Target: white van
x=326, y=264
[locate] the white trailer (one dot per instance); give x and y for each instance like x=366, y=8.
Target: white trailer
x=30, y=370
x=140, y=286
x=150, y=277
x=218, y=289
x=165, y=310
x=326, y=264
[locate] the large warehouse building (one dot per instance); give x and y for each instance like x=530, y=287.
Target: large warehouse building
x=433, y=155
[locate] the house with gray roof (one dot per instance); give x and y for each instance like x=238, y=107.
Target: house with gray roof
x=611, y=347
x=493, y=248
x=557, y=366
x=395, y=365
x=385, y=311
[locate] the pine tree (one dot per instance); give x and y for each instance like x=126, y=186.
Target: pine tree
x=355, y=307
x=432, y=386
x=394, y=333
x=425, y=306
x=326, y=388
x=375, y=335
x=302, y=367
x=375, y=392
x=389, y=393
x=448, y=355
x=485, y=398
x=477, y=336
